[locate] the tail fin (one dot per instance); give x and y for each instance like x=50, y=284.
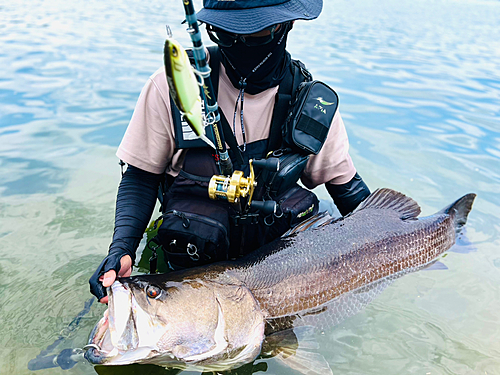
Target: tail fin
x=460, y=210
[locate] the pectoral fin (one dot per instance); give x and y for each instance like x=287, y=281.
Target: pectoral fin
x=297, y=349
x=306, y=362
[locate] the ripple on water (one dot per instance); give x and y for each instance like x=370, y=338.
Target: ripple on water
x=419, y=87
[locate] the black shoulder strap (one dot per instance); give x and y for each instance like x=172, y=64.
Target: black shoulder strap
x=294, y=77
x=297, y=74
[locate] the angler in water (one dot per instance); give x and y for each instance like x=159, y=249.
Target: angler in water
x=220, y=316
x=255, y=80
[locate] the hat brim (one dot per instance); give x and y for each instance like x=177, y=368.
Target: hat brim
x=252, y=20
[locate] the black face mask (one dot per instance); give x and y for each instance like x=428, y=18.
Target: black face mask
x=260, y=67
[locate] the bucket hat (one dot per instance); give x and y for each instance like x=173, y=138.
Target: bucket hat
x=251, y=16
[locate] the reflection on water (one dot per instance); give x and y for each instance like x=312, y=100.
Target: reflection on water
x=419, y=89
x=38, y=177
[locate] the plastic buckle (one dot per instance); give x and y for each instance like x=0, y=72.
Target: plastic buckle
x=250, y=218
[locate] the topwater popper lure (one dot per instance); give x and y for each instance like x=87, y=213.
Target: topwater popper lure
x=184, y=87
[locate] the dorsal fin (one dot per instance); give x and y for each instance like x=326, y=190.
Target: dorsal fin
x=388, y=199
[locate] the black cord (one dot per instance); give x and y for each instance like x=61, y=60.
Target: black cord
x=63, y=360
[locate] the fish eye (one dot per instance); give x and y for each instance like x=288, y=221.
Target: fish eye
x=153, y=291
x=174, y=51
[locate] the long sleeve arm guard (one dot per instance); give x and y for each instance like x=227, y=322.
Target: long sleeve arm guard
x=134, y=206
x=349, y=195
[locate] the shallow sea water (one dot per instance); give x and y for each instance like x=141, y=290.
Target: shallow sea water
x=419, y=88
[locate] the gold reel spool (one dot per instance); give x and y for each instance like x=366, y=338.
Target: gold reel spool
x=234, y=187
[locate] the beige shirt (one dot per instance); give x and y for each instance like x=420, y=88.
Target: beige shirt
x=149, y=142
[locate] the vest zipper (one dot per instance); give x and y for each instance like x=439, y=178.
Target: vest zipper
x=187, y=217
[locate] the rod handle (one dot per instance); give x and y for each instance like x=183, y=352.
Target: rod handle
x=271, y=164
x=265, y=207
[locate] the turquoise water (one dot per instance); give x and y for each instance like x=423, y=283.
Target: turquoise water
x=419, y=88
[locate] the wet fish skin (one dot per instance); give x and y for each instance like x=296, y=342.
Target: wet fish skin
x=206, y=330
x=380, y=241
x=331, y=272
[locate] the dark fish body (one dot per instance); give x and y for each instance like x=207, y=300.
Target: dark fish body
x=315, y=277
x=382, y=239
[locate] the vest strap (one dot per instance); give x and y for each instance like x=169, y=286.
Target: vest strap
x=294, y=77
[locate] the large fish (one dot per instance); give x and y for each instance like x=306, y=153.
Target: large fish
x=219, y=316
x=184, y=87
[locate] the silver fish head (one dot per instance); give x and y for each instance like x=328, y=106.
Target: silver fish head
x=183, y=324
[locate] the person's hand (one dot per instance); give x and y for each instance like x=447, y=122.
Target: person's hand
x=117, y=262
x=109, y=277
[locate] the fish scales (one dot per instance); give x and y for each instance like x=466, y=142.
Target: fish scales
x=301, y=276
x=218, y=317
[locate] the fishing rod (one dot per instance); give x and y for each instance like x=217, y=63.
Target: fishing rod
x=228, y=186
x=211, y=106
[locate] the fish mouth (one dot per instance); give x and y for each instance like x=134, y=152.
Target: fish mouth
x=119, y=338
x=94, y=354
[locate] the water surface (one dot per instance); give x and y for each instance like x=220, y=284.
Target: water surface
x=419, y=88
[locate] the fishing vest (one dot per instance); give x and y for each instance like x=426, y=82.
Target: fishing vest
x=197, y=230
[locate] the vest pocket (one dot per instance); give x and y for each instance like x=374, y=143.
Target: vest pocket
x=294, y=206
x=194, y=232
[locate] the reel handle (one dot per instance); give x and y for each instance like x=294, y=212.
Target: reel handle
x=271, y=164
x=266, y=207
